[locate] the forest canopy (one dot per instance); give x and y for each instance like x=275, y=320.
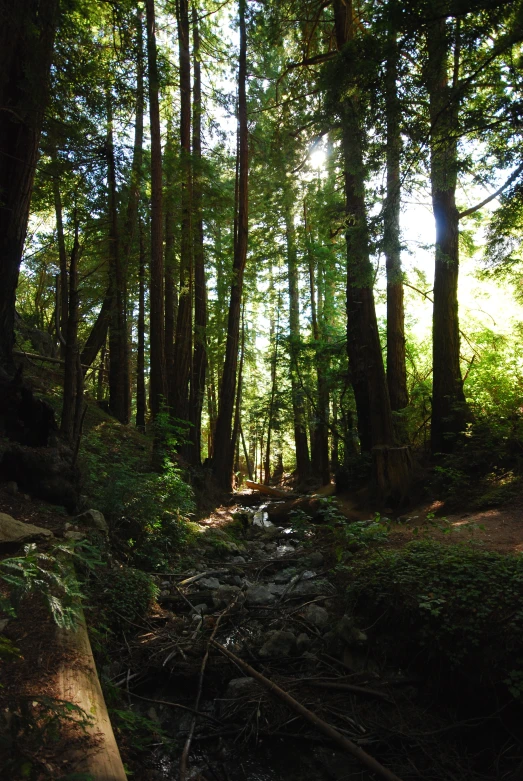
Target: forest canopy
x=291, y=228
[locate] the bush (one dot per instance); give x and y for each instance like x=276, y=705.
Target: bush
x=460, y=605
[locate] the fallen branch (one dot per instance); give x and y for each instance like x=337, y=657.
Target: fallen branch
x=176, y=705
x=201, y=575
x=269, y=491
x=349, y=687
x=340, y=740
x=187, y=745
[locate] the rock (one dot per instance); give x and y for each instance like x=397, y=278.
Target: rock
x=314, y=559
x=259, y=594
x=349, y=632
x=94, y=519
x=212, y=583
x=316, y=615
x=276, y=588
x=284, y=550
x=12, y=530
x=11, y=488
x=76, y=536
x=237, y=560
x=311, y=588
x=242, y=687
x=303, y=643
x=224, y=595
x=285, y=575
x=279, y=643
x=3, y=623
x=272, y=533
x=333, y=644
x=47, y=472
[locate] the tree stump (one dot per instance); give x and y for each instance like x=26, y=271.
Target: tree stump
x=392, y=473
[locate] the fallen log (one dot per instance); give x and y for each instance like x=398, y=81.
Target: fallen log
x=269, y=490
x=340, y=740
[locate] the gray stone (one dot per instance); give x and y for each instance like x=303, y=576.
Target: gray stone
x=316, y=615
x=237, y=560
x=224, y=595
x=211, y=583
x=3, y=623
x=276, y=588
x=242, y=687
x=12, y=530
x=279, y=643
x=77, y=536
x=94, y=519
x=314, y=559
x=349, y=632
x=312, y=588
x=285, y=575
x=303, y=643
x=259, y=594
x=11, y=487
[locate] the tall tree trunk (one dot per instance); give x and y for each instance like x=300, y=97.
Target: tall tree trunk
x=199, y=362
x=131, y=217
x=224, y=447
x=63, y=303
x=98, y=333
x=449, y=409
x=171, y=262
x=298, y=411
x=118, y=393
x=238, y=408
x=158, y=380
x=27, y=36
x=363, y=344
x=320, y=431
x=71, y=378
x=179, y=382
x=140, y=356
x=396, y=367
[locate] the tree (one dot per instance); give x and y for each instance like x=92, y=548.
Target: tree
x=27, y=37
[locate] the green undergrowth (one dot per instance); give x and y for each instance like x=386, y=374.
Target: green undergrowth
x=452, y=607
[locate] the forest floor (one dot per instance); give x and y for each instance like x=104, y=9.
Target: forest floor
x=271, y=596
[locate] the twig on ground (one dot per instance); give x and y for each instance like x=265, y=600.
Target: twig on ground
x=341, y=741
x=348, y=687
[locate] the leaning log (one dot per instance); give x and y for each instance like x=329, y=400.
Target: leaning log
x=269, y=490
x=78, y=683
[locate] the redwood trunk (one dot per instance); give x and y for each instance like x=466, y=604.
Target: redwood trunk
x=223, y=445
x=199, y=363
x=449, y=409
x=27, y=37
x=298, y=410
x=179, y=381
x=140, y=356
x=158, y=382
x=396, y=367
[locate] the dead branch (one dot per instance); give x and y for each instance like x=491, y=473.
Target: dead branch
x=348, y=687
x=340, y=740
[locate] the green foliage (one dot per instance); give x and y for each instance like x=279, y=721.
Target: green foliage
x=461, y=606
x=139, y=732
x=33, y=725
x=122, y=595
x=51, y=576
x=148, y=509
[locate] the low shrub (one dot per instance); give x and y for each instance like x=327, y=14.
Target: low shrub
x=460, y=606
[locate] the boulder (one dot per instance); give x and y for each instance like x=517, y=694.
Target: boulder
x=12, y=530
x=316, y=615
x=212, y=583
x=278, y=644
x=94, y=519
x=303, y=643
x=224, y=595
x=259, y=594
x=242, y=687
x=314, y=559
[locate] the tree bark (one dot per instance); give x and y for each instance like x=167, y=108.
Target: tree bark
x=199, y=362
x=27, y=36
x=363, y=344
x=449, y=409
x=140, y=356
x=158, y=380
x=63, y=302
x=223, y=448
x=298, y=410
x=118, y=393
x=172, y=269
x=396, y=367
x=71, y=378
x=179, y=381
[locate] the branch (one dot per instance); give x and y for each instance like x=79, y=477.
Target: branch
x=514, y=175
x=340, y=740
